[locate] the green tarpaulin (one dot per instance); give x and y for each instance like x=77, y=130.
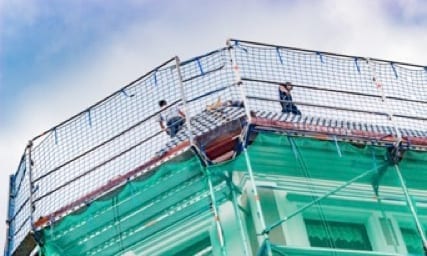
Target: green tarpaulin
x=177, y=192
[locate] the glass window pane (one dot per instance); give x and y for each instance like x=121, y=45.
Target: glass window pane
x=413, y=241
x=333, y=234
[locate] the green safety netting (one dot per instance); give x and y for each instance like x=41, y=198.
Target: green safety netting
x=330, y=160
x=412, y=241
x=173, y=192
x=280, y=155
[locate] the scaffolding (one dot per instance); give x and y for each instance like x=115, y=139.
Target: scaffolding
x=367, y=107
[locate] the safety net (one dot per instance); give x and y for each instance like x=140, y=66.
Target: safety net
x=177, y=194
x=333, y=196
x=174, y=195
x=331, y=160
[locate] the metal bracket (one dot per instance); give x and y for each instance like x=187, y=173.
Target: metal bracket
x=395, y=153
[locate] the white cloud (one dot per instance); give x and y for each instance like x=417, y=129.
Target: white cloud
x=351, y=27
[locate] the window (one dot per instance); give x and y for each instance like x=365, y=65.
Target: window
x=334, y=234
x=199, y=245
x=413, y=241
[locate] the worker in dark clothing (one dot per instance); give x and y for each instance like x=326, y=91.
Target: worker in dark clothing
x=171, y=120
x=286, y=99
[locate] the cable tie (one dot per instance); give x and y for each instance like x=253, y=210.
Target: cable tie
x=89, y=117
x=199, y=64
x=320, y=57
x=237, y=45
x=123, y=91
x=279, y=55
x=155, y=77
x=394, y=69
x=356, y=59
x=56, y=136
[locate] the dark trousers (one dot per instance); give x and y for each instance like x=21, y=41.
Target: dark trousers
x=287, y=105
x=174, y=125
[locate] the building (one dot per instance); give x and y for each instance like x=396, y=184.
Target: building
x=242, y=177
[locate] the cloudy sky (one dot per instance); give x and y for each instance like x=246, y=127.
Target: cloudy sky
x=59, y=57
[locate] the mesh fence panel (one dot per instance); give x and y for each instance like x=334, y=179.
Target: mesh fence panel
x=19, y=206
x=332, y=86
x=105, y=141
x=406, y=92
x=207, y=79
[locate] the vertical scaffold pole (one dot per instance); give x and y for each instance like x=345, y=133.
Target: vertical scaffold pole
x=412, y=208
x=380, y=87
x=239, y=219
x=215, y=213
x=184, y=99
x=29, y=166
x=238, y=81
x=259, y=212
x=10, y=211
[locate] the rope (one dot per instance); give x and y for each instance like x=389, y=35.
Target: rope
x=305, y=207
x=306, y=173
x=117, y=222
x=337, y=146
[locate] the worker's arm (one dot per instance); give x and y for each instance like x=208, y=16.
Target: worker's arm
x=181, y=113
x=282, y=88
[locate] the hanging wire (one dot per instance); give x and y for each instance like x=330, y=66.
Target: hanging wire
x=306, y=172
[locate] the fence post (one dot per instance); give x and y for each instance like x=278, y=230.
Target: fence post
x=412, y=208
x=215, y=213
x=257, y=200
x=238, y=81
x=11, y=209
x=184, y=99
x=29, y=166
x=237, y=214
x=383, y=95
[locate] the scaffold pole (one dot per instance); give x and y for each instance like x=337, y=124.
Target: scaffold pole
x=237, y=212
x=412, y=208
x=378, y=84
x=184, y=100
x=256, y=196
x=215, y=213
x=238, y=81
x=305, y=207
x=29, y=166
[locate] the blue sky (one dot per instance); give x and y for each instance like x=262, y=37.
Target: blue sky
x=55, y=37
x=59, y=57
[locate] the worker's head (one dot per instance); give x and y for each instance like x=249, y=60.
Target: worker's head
x=162, y=103
x=289, y=86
